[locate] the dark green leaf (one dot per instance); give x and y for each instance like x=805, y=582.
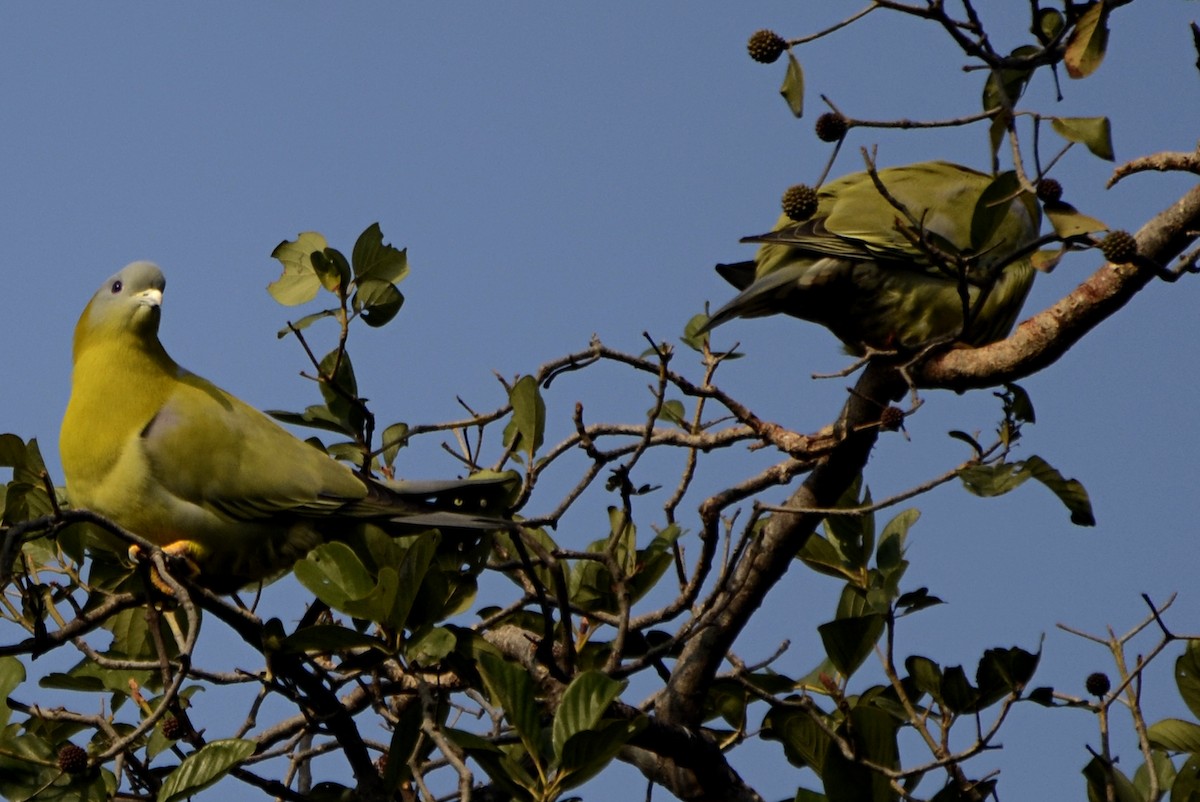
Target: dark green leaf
x=873, y=733
x=317, y=416
x=804, y=742
x=1003, y=671
x=848, y=641
x=431, y=646
x=201, y=769
x=1100, y=774
x=793, y=86
x=993, y=480
x=327, y=638
x=1069, y=491
x=332, y=269
x=992, y=208
x=1186, y=787
x=926, y=674
x=1020, y=406
x=378, y=300
x=889, y=555
x=1187, y=676
x=374, y=259
x=957, y=693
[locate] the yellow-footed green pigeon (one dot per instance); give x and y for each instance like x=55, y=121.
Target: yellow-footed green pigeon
x=887, y=278
x=176, y=459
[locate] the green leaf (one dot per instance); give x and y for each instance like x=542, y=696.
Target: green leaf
x=326, y=638
x=1069, y=222
x=848, y=641
x=305, y=322
x=1163, y=770
x=333, y=572
x=431, y=646
x=393, y=439
x=673, y=411
x=374, y=259
x=793, y=86
x=511, y=687
x=958, y=694
x=12, y=674
x=583, y=704
x=1100, y=773
x=1175, y=735
x=1003, y=671
x=317, y=416
x=299, y=283
x=1069, y=491
x=926, y=674
x=377, y=300
x=1019, y=404
x=201, y=769
x=1187, y=676
x=1004, y=88
x=588, y=751
x=804, y=742
x=890, y=552
x=1186, y=787
x=1087, y=43
x=12, y=451
x=1048, y=24
x=993, y=480
x=873, y=734
x=1095, y=132
x=525, y=431
x=332, y=269
x=992, y=208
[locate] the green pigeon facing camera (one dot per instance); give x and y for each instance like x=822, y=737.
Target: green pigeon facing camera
x=889, y=274
x=175, y=459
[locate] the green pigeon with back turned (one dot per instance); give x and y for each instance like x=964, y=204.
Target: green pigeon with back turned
x=175, y=459
x=858, y=266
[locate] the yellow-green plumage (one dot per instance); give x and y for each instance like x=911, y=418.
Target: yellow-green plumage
x=852, y=269
x=175, y=459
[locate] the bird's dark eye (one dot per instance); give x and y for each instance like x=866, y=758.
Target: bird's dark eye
x=116, y=287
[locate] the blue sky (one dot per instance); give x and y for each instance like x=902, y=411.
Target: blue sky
x=563, y=170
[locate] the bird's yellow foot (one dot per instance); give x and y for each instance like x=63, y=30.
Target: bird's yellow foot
x=186, y=551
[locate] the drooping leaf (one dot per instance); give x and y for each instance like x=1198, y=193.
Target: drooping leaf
x=305, y=322
x=1087, y=43
x=12, y=674
x=588, y=751
x=393, y=438
x=793, y=86
x=525, y=430
x=873, y=733
x=1094, y=132
x=993, y=208
x=1070, y=492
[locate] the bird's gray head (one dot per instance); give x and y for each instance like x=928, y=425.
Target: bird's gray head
x=128, y=302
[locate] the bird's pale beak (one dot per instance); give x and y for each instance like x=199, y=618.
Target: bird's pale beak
x=150, y=297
